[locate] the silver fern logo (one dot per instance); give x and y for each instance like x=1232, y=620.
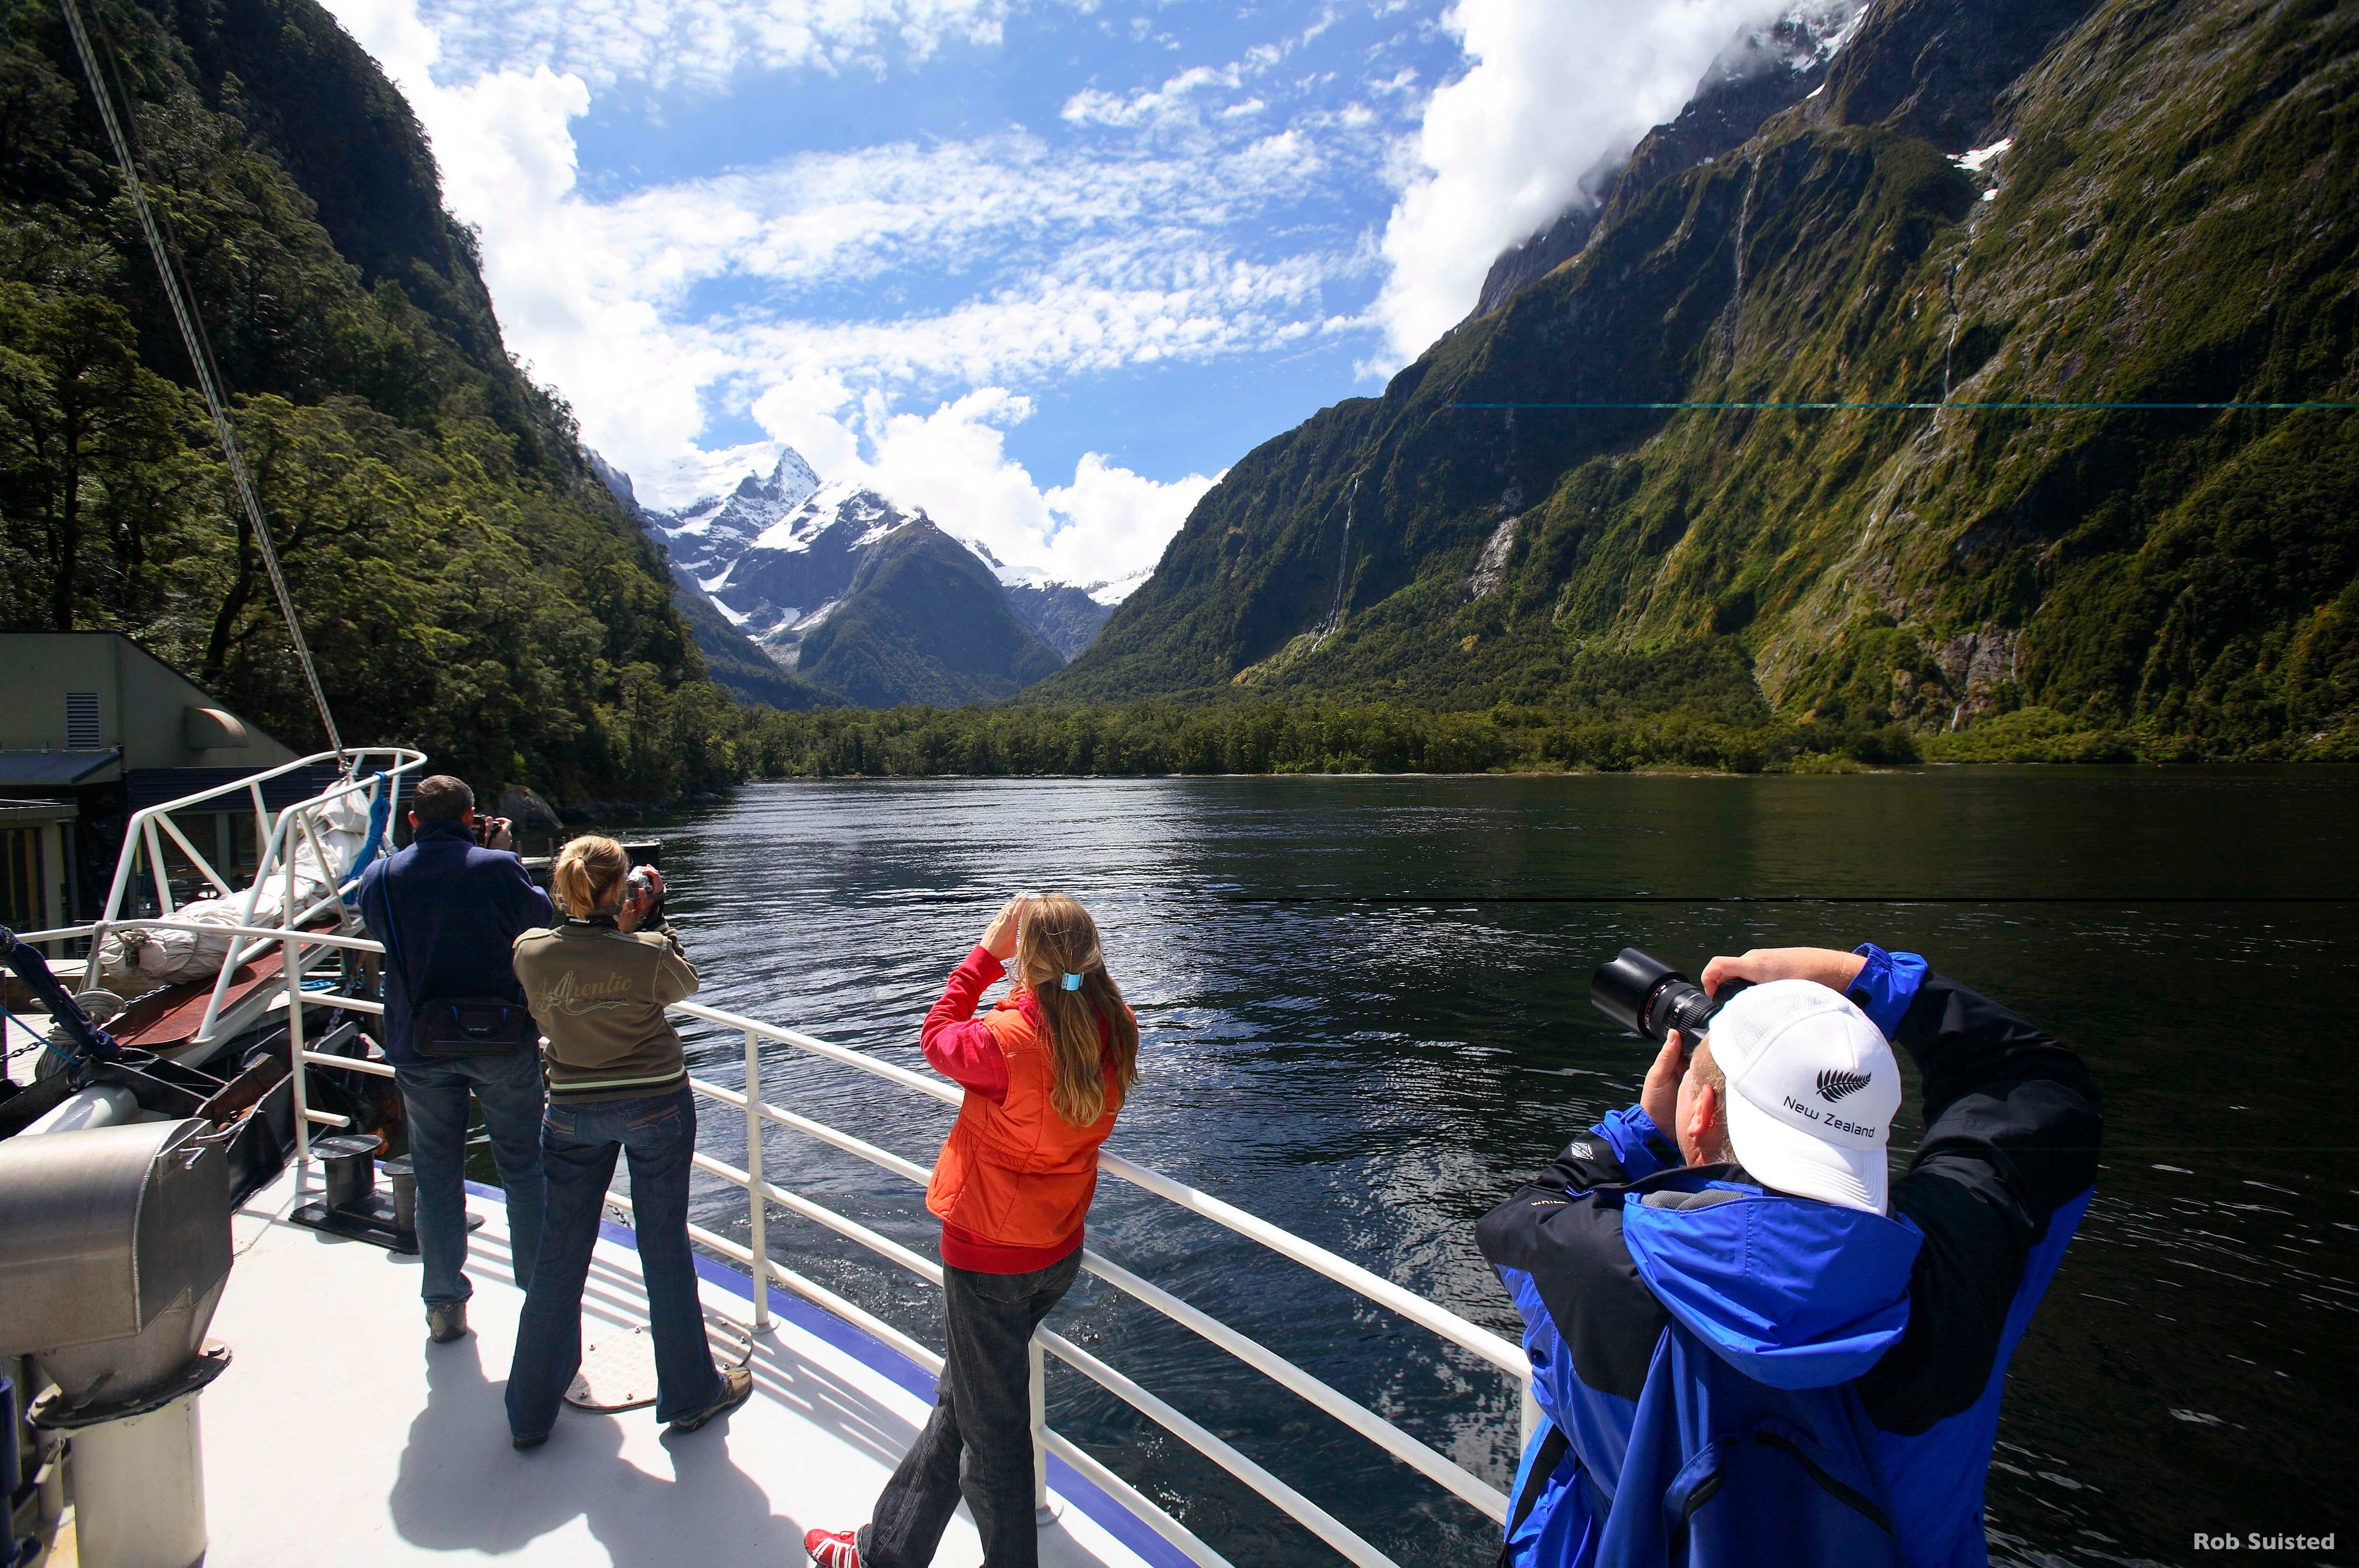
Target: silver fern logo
x=1834, y=1083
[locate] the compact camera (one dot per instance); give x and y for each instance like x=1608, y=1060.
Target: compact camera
x=640, y=883
x=1647, y=997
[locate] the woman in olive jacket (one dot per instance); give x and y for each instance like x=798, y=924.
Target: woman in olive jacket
x=598, y=986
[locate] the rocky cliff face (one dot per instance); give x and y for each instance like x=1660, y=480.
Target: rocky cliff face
x=2042, y=201
x=1067, y=618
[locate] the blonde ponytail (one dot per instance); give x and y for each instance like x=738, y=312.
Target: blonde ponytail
x=1090, y=1027
x=588, y=876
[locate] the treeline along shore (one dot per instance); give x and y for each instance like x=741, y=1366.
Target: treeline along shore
x=1149, y=739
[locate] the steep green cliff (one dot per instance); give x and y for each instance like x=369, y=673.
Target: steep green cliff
x=464, y=580
x=2176, y=219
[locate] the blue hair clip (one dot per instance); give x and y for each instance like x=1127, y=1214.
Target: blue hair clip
x=1072, y=981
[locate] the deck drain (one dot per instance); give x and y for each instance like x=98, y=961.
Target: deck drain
x=618, y=1373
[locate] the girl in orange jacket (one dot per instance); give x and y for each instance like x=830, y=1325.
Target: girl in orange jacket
x=1045, y=1072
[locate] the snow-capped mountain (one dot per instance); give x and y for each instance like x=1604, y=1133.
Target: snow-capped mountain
x=786, y=578
x=779, y=557
x=1067, y=616
x=746, y=672
x=847, y=590
x=708, y=535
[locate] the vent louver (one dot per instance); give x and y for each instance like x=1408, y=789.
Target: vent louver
x=82, y=721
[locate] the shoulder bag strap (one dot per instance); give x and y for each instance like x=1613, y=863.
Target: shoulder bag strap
x=1544, y=1464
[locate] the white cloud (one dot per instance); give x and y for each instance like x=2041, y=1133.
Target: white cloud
x=1007, y=202
x=505, y=148
x=1176, y=102
x=701, y=42
x=1108, y=524
x=1553, y=88
x=1122, y=245
x=1121, y=520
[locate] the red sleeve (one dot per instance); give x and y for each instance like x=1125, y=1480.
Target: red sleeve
x=959, y=1045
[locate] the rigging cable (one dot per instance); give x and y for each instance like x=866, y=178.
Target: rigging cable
x=193, y=333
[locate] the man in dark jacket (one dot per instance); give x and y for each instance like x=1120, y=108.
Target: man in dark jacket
x=1751, y=1346
x=448, y=911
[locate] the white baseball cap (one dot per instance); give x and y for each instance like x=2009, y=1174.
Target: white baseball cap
x=1813, y=1088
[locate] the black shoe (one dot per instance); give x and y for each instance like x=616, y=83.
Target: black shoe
x=447, y=1322
x=522, y=1444
x=736, y=1388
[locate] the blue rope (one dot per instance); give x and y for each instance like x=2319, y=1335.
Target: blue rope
x=380, y=816
x=47, y=1043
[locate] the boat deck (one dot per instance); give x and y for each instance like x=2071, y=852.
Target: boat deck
x=340, y=1428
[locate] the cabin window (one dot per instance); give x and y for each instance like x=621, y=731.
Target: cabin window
x=244, y=858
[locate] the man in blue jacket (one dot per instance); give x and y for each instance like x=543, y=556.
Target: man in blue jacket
x=1753, y=1346
x=448, y=911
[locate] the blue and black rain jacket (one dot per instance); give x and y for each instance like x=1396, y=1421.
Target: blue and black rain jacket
x=1734, y=1376
x=448, y=913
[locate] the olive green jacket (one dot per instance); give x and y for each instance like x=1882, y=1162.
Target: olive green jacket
x=599, y=995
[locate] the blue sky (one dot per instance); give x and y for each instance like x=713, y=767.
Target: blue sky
x=1045, y=267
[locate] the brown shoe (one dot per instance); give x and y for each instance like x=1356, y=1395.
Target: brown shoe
x=447, y=1322
x=736, y=1388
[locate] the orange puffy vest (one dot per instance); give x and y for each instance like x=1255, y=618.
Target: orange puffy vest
x=1016, y=1172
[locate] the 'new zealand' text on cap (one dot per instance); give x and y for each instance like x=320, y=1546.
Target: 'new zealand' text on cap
x=1813, y=1089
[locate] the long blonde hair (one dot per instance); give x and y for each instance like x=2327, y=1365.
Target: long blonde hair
x=1055, y=937
x=587, y=869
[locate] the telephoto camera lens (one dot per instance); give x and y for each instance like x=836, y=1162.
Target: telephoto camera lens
x=1647, y=997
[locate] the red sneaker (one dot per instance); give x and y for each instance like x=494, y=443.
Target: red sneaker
x=833, y=1548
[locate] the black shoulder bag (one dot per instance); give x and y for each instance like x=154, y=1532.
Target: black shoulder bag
x=446, y=1026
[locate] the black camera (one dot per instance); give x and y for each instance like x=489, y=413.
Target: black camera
x=1647, y=997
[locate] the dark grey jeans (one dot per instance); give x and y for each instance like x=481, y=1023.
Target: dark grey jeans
x=979, y=1440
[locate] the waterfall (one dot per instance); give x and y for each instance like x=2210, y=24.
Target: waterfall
x=1327, y=627
x=1736, y=295
x=1952, y=345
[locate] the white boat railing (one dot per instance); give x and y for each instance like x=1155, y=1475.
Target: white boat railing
x=763, y=1193
x=280, y=837
x=1481, y=1342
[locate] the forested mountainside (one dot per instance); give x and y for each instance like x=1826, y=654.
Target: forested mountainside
x=923, y=621
x=2002, y=201
x=464, y=580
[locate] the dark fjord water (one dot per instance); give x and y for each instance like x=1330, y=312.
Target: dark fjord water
x=1374, y=1076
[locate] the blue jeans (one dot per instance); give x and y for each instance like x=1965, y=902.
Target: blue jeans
x=434, y=1099
x=577, y=1145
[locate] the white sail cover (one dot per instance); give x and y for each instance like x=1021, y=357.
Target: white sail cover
x=170, y=957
